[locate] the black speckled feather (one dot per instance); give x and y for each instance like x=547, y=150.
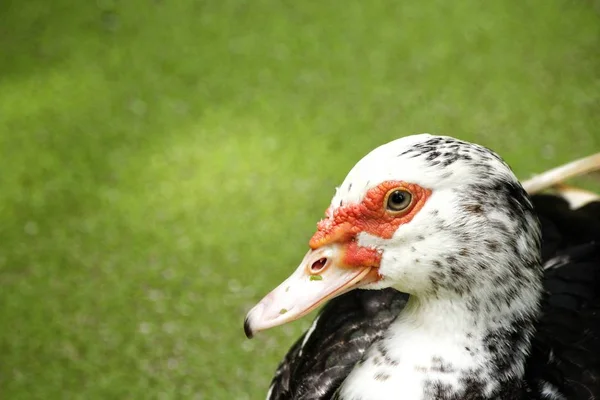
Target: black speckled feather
x=346, y=327
x=565, y=357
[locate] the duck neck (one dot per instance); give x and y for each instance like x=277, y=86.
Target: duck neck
x=451, y=345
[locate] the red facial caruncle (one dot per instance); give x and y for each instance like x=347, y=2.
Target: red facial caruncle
x=373, y=216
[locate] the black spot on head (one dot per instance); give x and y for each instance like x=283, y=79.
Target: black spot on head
x=473, y=306
x=439, y=275
x=438, y=365
x=433, y=155
x=381, y=376
x=456, y=272
x=474, y=209
x=492, y=245
x=449, y=161
x=465, y=236
x=435, y=286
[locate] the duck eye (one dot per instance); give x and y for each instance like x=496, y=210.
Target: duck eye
x=398, y=200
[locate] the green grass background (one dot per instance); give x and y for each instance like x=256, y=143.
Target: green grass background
x=164, y=162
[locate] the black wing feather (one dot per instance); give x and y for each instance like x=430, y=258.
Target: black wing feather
x=566, y=349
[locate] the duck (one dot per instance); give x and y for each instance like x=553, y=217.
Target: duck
x=442, y=276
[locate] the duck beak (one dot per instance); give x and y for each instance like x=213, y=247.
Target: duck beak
x=322, y=275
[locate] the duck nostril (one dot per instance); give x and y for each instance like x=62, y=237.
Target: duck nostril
x=318, y=265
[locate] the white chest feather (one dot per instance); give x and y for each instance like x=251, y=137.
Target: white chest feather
x=424, y=358
x=415, y=366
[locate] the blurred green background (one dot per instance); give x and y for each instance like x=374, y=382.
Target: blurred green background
x=164, y=162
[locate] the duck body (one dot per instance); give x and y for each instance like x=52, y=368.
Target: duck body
x=504, y=296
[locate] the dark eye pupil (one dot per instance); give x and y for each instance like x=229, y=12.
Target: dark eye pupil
x=398, y=197
x=398, y=200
